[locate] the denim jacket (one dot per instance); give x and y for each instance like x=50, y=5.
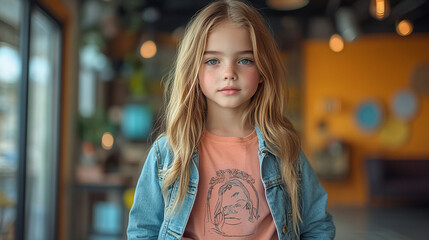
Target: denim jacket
x=149, y=217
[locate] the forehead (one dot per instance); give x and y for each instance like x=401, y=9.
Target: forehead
x=229, y=37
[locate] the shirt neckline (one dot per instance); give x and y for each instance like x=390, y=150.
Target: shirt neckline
x=212, y=137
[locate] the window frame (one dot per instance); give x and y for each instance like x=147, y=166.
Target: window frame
x=28, y=7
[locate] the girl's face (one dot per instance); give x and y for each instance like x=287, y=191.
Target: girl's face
x=228, y=75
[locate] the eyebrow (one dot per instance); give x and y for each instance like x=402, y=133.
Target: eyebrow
x=220, y=53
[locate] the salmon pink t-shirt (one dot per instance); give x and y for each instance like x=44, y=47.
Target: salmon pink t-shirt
x=230, y=201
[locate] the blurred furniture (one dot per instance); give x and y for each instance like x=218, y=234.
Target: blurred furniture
x=5, y=202
x=398, y=179
x=100, y=211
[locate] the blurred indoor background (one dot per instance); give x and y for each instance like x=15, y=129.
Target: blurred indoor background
x=81, y=96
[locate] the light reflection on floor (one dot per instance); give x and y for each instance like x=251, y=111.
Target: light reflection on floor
x=400, y=223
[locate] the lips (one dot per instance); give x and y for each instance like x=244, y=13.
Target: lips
x=229, y=90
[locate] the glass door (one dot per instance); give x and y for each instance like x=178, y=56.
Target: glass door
x=30, y=67
x=42, y=126
x=10, y=82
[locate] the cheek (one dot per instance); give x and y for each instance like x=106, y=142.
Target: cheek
x=252, y=79
x=206, y=80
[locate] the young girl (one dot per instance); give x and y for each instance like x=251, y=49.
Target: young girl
x=229, y=165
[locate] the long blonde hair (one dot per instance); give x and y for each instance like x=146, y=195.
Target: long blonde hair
x=185, y=112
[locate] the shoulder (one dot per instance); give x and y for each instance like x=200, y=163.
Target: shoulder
x=302, y=159
x=161, y=150
x=303, y=162
x=160, y=144
x=301, y=165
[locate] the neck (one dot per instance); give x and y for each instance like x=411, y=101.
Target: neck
x=227, y=123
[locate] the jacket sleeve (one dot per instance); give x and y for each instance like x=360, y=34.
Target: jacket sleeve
x=317, y=223
x=147, y=213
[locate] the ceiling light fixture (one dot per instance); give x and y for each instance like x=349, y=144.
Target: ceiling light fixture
x=347, y=23
x=336, y=43
x=379, y=9
x=148, y=49
x=404, y=27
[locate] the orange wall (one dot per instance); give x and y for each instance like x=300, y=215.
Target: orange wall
x=374, y=66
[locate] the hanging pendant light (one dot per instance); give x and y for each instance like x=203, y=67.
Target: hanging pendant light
x=379, y=9
x=336, y=43
x=287, y=4
x=404, y=27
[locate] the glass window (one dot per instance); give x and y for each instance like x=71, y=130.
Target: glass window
x=42, y=141
x=10, y=75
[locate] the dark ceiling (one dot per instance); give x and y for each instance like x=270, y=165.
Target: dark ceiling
x=176, y=13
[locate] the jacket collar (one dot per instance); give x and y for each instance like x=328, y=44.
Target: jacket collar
x=261, y=141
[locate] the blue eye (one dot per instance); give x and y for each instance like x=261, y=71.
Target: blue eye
x=212, y=62
x=245, y=61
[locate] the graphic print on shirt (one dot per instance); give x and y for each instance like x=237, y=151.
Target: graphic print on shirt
x=232, y=204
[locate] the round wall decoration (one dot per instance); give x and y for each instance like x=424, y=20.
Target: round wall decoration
x=404, y=104
x=369, y=115
x=394, y=133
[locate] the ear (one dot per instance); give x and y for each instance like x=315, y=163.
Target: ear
x=261, y=80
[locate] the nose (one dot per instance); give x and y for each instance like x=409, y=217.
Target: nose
x=229, y=73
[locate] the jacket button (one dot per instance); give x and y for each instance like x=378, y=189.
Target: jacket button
x=285, y=229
